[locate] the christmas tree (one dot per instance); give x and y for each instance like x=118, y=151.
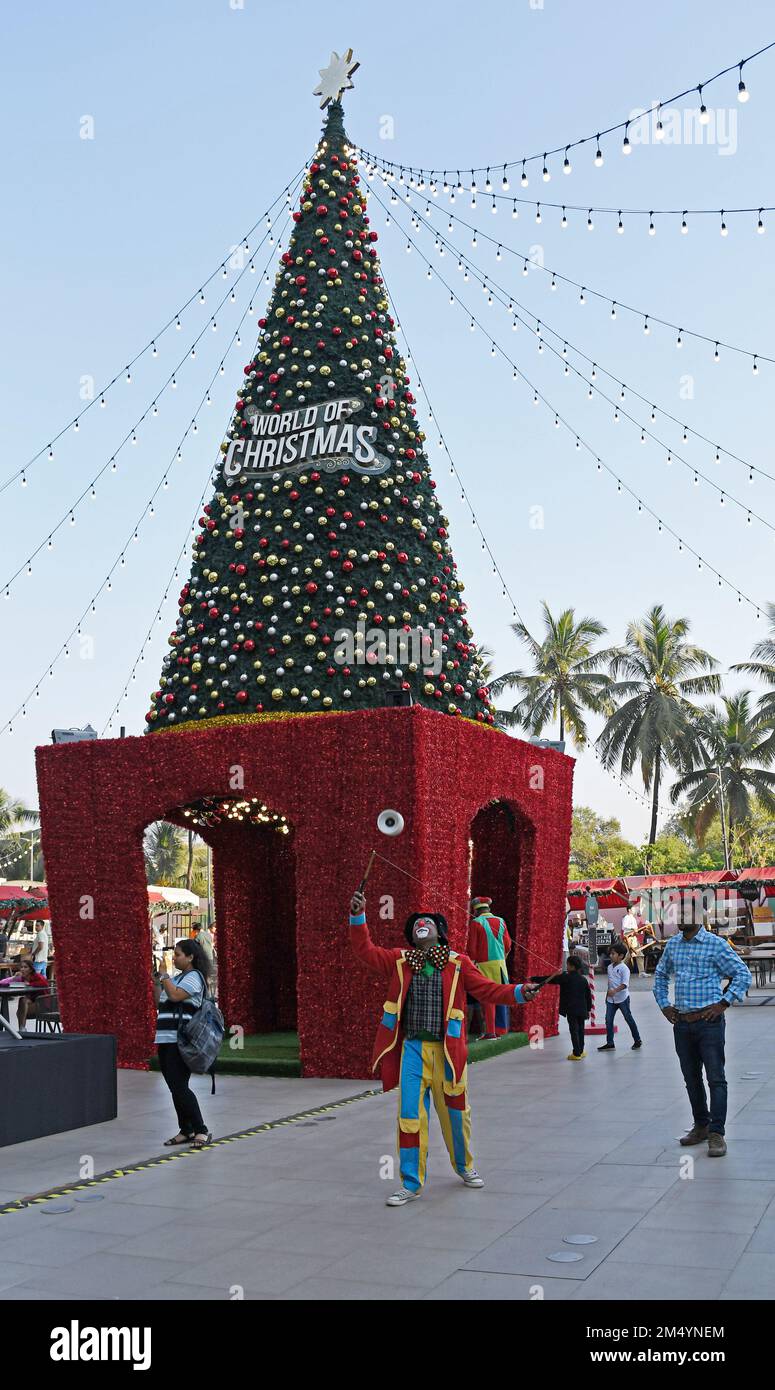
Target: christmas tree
x=322, y=576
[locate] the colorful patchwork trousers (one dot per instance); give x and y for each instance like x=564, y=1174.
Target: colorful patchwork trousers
x=424, y=1069
x=497, y=1017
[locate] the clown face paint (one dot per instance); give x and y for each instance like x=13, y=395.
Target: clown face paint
x=424, y=932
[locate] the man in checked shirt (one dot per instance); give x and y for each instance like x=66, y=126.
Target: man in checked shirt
x=709, y=976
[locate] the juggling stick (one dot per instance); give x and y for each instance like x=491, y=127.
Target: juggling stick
x=362, y=883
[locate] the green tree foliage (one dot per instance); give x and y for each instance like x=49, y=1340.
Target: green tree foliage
x=16, y=823
x=566, y=679
x=652, y=725
x=598, y=848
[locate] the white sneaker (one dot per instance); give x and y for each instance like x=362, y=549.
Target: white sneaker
x=471, y=1178
x=401, y=1197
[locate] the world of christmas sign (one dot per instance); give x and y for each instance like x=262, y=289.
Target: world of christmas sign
x=291, y=440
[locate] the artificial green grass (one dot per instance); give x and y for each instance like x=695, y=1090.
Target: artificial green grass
x=277, y=1054
x=480, y=1051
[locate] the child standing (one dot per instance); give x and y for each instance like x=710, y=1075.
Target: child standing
x=618, y=998
x=575, y=1002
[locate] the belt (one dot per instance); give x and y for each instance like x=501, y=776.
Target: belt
x=693, y=1014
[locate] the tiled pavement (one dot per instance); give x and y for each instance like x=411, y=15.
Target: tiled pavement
x=298, y=1212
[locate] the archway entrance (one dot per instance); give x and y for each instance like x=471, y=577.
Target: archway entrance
x=495, y=852
x=254, y=892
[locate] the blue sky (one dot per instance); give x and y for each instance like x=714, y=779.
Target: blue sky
x=201, y=114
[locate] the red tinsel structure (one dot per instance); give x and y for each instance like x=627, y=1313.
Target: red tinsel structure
x=482, y=810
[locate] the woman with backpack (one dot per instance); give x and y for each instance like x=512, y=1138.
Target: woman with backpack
x=178, y=998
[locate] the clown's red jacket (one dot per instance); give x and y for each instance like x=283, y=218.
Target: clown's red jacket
x=460, y=976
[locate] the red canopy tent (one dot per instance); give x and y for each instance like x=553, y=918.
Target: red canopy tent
x=610, y=892
x=708, y=878
x=19, y=902
x=765, y=876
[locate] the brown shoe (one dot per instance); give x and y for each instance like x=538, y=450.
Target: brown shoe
x=697, y=1135
x=717, y=1146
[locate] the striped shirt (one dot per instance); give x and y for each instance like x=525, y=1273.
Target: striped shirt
x=700, y=965
x=170, y=1012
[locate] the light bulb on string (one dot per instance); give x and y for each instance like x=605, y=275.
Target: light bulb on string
x=652, y=228
x=505, y=181
x=553, y=283
x=598, y=154
x=564, y=221
x=524, y=179
x=716, y=357
x=626, y=146
x=684, y=225
x=760, y=224
x=590, y=223
x=620, y=224
x=659, y=130
x=723, y=229
x=742, y=91
x=613, y=310
x=545, y=172
x=679, y=340
x=155, y=352
x=538, y=212
x=755, y=366
x=704, y=112
x=566, y=164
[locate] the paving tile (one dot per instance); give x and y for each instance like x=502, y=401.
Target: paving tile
x=122, y=1276
x=762, y=1241
x=321, y=1289
x=525, y=1249
x=650, y=1282
x=262, y=1271
x=299, y=1237
x=183, y=1240
x=53, y=1245
x=752, y=1279
x=411, y=1265
x=701, y=1249
x=14, y=1272
x=470, y=1286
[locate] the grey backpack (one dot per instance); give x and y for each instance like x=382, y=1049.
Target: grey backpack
x=201, y=1035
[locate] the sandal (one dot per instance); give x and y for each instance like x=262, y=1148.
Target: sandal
x=177, y=1141
x=202, y=1143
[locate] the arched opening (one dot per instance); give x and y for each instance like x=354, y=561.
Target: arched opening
x=496, y=848
x=250, y=848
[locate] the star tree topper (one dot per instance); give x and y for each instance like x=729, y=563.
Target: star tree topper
x=336, y=77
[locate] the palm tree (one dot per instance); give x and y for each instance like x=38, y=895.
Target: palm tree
x=13, y=846
x=163, y=854
x=566, y=679
x=653, y=724
x=762, y=664
x=736, y=750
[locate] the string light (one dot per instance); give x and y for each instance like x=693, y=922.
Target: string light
x=150, y=346
x=539, y=398
x=391, y=169
x=131, y=436
x=598, y=294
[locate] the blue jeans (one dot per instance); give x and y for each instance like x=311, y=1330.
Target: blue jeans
x=610, y=1015
x=701, y=1044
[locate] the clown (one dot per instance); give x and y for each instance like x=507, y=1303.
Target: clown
x=489, y=944
x=421, y=1040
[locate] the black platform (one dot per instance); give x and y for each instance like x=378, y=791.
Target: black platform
x=53, y=1082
